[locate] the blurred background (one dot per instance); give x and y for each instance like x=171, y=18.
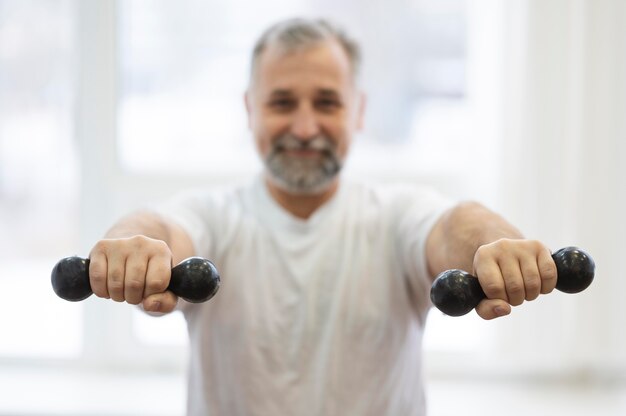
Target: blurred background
x=107, y=106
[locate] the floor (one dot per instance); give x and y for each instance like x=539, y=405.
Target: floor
x=525, y=398
x=44, y=392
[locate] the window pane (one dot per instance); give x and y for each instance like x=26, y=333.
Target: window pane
x=38, y=176
x=184, y=69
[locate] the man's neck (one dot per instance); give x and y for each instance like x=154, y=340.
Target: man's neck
x=301, y=206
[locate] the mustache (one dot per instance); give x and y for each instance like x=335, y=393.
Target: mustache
x=290, y=142
x=302, y=175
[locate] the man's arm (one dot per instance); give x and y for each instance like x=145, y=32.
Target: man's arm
x=134, y=260
x=510, y=268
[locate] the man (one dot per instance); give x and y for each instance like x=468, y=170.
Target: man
x=325, y=282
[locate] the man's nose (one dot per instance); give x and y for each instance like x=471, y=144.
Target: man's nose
x=305, y=125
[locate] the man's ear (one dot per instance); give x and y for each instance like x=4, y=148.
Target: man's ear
x=246, y=102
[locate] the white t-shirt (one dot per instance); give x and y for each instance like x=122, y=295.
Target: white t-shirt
x=322, y=316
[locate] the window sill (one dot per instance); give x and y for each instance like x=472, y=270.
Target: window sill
x=35, y=391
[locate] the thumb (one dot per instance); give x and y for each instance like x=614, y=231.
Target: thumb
x=164, y=302
x=493, y=308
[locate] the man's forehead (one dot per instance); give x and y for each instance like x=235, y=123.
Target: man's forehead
x=321, y=91
x=326, y=58
x=278, y=51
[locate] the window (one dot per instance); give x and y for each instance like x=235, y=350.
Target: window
x=38, y=177
x=184, y=69
x=182, y=73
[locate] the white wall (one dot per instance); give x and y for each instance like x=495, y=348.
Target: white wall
x=564, y=134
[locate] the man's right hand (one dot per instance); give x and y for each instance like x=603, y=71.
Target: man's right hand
x=135, y=269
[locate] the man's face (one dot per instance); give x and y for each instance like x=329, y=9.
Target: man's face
x=303, y=108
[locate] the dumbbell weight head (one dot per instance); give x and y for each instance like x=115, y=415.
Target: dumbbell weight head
x=575, y=269
x=195, y=279
x=455, y=292
x=70, y=279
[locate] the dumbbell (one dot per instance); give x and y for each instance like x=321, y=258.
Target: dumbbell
x=195, y=279
x=456, y=292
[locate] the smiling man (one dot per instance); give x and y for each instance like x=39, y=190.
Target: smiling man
x=304, y=108
x=325, y=282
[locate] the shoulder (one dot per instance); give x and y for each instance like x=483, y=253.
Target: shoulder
x=209, y=198
x=395, y=195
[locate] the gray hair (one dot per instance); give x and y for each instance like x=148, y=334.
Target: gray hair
x=299, y=33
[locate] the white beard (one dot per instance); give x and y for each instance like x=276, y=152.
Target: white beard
x=303, y=175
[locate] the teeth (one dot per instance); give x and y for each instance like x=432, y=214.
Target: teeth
x=288, y=142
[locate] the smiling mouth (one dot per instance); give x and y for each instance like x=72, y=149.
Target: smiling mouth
x=303, y=152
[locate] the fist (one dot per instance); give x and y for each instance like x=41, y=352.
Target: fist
x=510, y=272
x=135, y=270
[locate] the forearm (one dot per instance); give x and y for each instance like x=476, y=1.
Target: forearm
x=460, y=232
x=153, y=226
x=144, y=223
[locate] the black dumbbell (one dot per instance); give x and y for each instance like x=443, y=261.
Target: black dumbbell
x=455, y=292
x=195, y=279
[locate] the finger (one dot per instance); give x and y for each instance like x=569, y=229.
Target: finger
x=161, y=302
x=493, y=308
x=530, y=275
x=490, y=278
x=513, y=281
x=98, y=274
x=158, y=275
x=134, y=279
x=116, y=265
x=547, y=271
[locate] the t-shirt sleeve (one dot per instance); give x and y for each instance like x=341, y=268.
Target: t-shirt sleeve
x=194, y=211
x=420, y=209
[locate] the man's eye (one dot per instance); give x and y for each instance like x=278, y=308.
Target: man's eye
x=328, y=104
x=281, y=104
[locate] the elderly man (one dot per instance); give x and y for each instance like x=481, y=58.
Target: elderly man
x=325, y=282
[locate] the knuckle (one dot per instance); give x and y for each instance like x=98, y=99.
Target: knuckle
x=548, y=272
x=531, y=296
x=535, y=244
x=514, y=289
x=157, y=284
x=117, y=294
x=133, y=300
x=484, y=251
x=138, y=241
x=142, y=242
x=505, y=244
x=532, y=291
x=533, y=286
x=136, y=270
x=161, y=244
x=116, y=277
x=162, y=249
x=135, y=285
x=116, y=286
x=491, y=289
x=100, y=246
x=97, y=275
x=495, y=250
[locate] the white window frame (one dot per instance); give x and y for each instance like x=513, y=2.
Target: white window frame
x=108, y=191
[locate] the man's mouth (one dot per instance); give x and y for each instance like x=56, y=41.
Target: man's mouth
x=303, y=152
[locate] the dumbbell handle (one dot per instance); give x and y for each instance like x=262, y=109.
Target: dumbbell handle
x=194, y=279
x=455, y=292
